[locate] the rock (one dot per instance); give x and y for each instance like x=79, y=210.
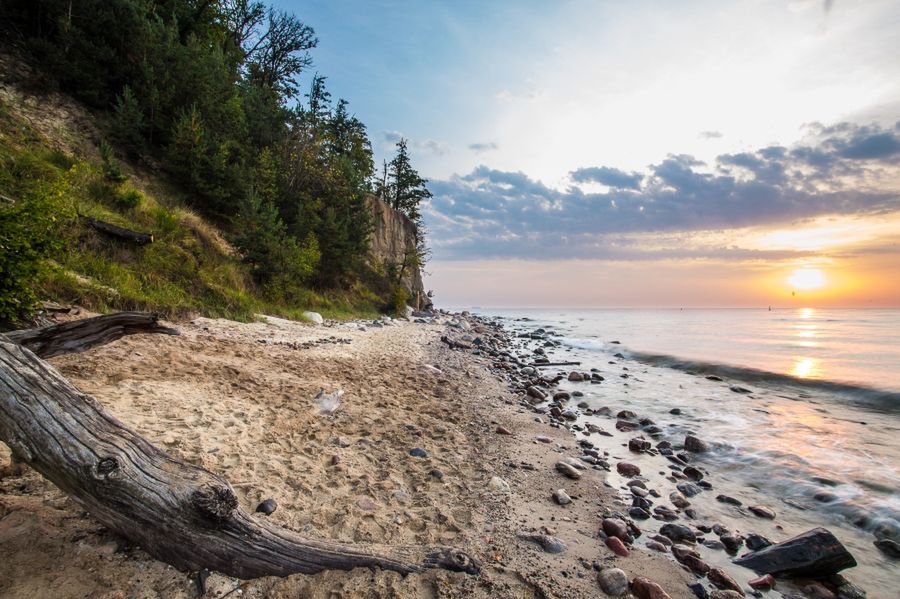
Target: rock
x=727, y=499
x=714, y=544
x=756, y=542
x=657, y=546
x=848, y=590
x=613, y=581
x=678, y=532
x=694, y=444
x=562, y=396
x=314, y=317
x=726, y=594
x=418, y=452
x=568, y=470
x=688, y=489
x=435, y=473
x=627, y=469
x=722, y=580
x=498, y=485
x=693, y=473
x=691, y=559
x=888, y=547
x=543, y=439
x=546, y=542
x=675, y=411
x=364, y=503
x=638, y=513
x=763, y=583
x=639, y=445
x=732, y=542
x=536, y=393
x=699, y=590
x=613, y=527
x=575, y=376
x=815, y=554
x=817, y=590
x=561, y=497
x=616, y=545
x=739, y=389
x=678, y=500
x=644, y=588
x=267, y=507
x=662, y=539
x=502, y=430
x=763, y=511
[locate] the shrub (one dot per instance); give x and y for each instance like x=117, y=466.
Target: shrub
x=397, y=299
x=129, y=198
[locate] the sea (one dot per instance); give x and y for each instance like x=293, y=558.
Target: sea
x=802, y=406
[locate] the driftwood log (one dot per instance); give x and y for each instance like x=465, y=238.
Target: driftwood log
x=118, y=232
x=179, y=513
x=814, y=554
x=80, y=335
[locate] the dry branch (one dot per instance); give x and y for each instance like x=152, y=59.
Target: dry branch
x=80, y=335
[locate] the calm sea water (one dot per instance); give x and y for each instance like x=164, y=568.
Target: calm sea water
x=815, y=431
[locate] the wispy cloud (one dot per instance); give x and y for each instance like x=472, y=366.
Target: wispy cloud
x=431, y=146
x=710, y=135
x=486, y=146
x=843, y=169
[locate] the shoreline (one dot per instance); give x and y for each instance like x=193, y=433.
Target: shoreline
x=239, y=399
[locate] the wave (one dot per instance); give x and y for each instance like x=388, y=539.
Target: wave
x=870, y=397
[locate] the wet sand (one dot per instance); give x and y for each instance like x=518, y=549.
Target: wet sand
x=238, y=399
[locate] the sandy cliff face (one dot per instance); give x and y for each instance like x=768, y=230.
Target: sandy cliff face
x=393, y=238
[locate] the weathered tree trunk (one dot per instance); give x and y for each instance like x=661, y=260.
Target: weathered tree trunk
x=118, y=232
x=179, y=513
x=80, y=335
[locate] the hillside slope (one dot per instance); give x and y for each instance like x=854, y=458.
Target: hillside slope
x=54, y=161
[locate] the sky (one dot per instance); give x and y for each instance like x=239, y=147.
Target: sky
x=624, y=154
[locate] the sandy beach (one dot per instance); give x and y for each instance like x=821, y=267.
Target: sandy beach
x=239, y=399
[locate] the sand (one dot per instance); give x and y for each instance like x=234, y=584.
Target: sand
x=238, y=399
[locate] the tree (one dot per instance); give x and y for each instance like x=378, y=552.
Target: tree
x=406, y=188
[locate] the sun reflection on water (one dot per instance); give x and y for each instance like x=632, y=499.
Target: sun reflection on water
x=805, y=368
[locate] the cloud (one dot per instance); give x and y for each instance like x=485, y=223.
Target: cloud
x=611, y=177
x=710, y=134
x=489, y=213
x=426, y=145
x=487, y=146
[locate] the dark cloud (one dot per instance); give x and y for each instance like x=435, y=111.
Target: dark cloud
x=483, y=146
x=492, y=213
x=611, y=177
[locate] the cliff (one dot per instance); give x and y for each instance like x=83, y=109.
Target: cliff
x=393, y=241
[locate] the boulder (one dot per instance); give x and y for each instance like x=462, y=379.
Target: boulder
x=678, y=532
x=696, y=445
x=814, y=554
x=314, y=317
x=613, y=581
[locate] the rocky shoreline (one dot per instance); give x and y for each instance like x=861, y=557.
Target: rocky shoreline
x=665, y=510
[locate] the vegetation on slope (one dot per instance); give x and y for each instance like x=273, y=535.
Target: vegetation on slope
x=210, y=91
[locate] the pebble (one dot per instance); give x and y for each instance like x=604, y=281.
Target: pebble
x=756, y=542
x=678, y=532
x=643, y=588
x=695, y=444
x=546, y=542
x=502, y=430
x=627, y=469
x=418, y=452
x=722, y=580
x=613, y=581
x=567, y=470
x=614, y=527
x=763, y=511
x=688, y=489
x=727, y=499
x=498, y=485
x=678, y=500
x=267, y=507
x=543, y=439
x=364, y=503
x=616, y=545
x=638, y=444
x=763, y=583
x=657, y=546
x=437, y=474
x=561, y=497
x=693, y=473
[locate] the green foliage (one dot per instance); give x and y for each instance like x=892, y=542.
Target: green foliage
x=111, y=169
x=29, y=234
x=129, y=198
x=398, y=299
x=128, y=125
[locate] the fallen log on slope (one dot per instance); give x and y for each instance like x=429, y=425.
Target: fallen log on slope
x=80, y=335
x=118, y=232
x=181, y=514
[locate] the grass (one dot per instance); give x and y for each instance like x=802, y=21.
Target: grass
x=188, y=270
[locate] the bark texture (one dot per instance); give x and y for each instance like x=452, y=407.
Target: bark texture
x=118, y=232
x=80, y=335
x=179, y=513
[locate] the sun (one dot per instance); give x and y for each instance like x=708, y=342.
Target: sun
x=807, y=279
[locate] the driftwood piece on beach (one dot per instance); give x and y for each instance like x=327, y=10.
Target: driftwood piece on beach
x=118, y=232
x=179, y=513
x=543, y=364
x=80, y=335
x=815, y=554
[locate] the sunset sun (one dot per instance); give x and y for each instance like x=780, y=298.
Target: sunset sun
x=807, y=279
